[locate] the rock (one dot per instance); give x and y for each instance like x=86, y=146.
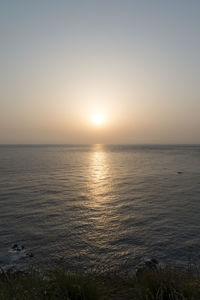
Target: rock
x=18, y=252
x=147, y=264
x=30, y=254
x=151, y=263
x=17, y=248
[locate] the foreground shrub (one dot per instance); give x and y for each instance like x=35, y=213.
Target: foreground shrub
x=150, y=283
x=166, y=284
x=57, y=284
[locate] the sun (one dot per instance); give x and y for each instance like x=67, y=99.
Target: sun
x=98, y=119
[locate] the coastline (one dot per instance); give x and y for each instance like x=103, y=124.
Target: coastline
x=149, y=282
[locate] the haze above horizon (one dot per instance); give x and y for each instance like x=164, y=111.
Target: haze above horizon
x=111, y=72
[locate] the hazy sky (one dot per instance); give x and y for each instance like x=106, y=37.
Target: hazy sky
x=135, y=62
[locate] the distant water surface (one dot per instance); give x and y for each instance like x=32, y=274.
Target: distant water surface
x=97, y=205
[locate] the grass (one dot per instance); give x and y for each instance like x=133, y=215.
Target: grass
x=169, y=283
x=54, y=284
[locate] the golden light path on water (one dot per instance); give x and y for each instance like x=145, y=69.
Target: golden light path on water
x=99, y=176
x=100, y=199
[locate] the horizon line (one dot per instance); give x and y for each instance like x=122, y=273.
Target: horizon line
x=105, y=144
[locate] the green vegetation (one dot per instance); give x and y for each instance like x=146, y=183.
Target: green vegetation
x=169, y=283
x=55, y=284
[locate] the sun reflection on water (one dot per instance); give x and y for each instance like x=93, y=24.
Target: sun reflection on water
x=100, y=179
x=99, y=167
x=100, y=203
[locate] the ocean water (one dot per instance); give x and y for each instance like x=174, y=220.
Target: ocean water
x=99, y=206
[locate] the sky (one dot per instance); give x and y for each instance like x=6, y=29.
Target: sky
x=134, y=63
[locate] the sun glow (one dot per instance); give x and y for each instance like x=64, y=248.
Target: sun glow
x=98, y=119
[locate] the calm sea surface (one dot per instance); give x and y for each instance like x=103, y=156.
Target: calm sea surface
x=97, y=205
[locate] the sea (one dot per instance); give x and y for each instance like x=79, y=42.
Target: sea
x=99, y=207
